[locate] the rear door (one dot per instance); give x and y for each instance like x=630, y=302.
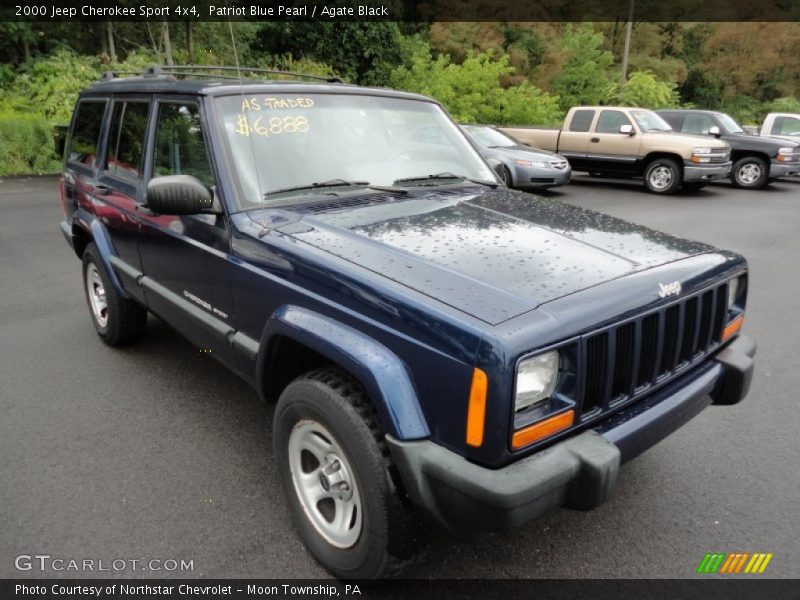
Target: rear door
x=120, y=186
x=82, y=155
x=187, y=258
x=573, y=142
x=611, y=151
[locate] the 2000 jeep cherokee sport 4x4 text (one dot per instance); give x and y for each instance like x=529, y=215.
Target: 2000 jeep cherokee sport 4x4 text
x=439, y=347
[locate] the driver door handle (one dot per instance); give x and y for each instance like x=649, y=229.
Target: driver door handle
x=595, y=140
x=102, y=189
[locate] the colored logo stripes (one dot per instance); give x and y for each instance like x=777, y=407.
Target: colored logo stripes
x=734, y=562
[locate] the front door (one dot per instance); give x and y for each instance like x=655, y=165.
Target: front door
x=186, y=258
x=610, y=150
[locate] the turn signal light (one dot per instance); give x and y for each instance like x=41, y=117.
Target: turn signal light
x=476, y=412
x=733, y=328
x=538, y=431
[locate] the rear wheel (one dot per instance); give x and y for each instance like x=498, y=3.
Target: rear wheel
x=335, y=470
x=118, y=320
x=663, y=176
x=750, y=172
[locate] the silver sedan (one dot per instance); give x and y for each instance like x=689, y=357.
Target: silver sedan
x=523, y=167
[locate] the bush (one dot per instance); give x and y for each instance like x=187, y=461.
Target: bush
x=472, y=91
x=586, y=72
x=26, y=145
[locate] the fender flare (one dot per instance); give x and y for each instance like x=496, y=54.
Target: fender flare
x=105, y=248
x=378, y=369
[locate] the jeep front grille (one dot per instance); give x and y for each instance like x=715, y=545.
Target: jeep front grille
x=626, y=360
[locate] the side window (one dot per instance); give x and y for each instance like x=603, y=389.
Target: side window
x=698, y=124
x=786, y=126
x=126, y=139
x=610, y=121
x=86, y=132
x=180, y=148
x=581, y=120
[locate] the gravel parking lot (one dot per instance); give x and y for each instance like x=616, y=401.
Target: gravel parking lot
x=158, y=452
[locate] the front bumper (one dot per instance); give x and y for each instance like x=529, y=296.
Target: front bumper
x=709, y=172
x=536, y=177
x=783, y=169
x=469, y=500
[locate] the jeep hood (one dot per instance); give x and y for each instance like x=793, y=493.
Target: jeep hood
x=493, y=254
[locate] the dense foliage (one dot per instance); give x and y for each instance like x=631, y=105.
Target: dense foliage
x=503, y=73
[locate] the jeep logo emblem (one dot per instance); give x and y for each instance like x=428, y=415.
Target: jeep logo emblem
x=669, y=289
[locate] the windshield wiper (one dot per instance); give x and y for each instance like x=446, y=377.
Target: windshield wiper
x=438, y=177
x=317, y=185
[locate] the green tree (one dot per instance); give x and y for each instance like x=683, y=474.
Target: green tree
x=585, y=74
x=472, y=91
x=363, y=52
x=644, y=90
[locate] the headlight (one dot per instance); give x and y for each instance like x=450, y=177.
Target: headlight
x=786, y=151
x=786, y=154
x=701, y=151
x=536, y=379
x=733, y=292
x=701, y=155
x=530, y=163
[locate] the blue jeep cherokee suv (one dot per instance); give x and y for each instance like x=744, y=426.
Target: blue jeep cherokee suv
x=439, y=347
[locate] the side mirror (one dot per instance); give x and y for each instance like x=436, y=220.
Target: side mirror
x=714, y=130
x=627, y=129
x=178, y=195
x=497, y=167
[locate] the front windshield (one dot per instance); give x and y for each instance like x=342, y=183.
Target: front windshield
x=650, y=121
x=488, y=137
x=729, y=124
x=282, y=141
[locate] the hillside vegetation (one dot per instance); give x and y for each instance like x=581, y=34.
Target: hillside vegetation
x=501, y=73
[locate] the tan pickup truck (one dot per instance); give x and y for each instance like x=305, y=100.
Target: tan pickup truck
x=631, y=142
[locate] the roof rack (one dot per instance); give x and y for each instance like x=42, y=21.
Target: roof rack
x=197, y=71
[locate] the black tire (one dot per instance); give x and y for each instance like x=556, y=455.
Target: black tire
x=125, y=320
x=507, y=179
x=694, y=186
x=750, y=173
x=663, y=176
x=389, y=534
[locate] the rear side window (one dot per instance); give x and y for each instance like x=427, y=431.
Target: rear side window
x=180, y=148
x=86, y=132
x=698, y=124
x=126, y=139
x=610, y=121
x=581, y=120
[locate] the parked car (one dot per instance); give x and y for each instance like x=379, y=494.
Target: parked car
x=523, y=167
x=631, y=142
x=781, y=125
x=435, y=343
x=756, y=160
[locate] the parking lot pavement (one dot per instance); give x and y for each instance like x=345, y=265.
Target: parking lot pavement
x=158, y=452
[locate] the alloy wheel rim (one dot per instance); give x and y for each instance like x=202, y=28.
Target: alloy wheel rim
x=324, y=483
x=661, y=177
x=749, y=173
x=96, y=292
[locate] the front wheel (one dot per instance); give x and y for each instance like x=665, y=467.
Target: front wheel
x=335, y=471
x=507, y=178
x=663, y=176
x=750, y=172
